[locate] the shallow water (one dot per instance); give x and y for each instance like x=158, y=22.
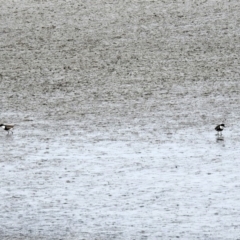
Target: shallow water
x=115, y=107
x=62, y=184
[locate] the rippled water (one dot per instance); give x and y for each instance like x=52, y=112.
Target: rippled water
x=115, y=106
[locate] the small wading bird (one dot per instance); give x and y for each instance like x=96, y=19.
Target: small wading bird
x=7, y=127
x=219, y=128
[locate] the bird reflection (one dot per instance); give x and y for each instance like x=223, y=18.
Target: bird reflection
x=219, y=138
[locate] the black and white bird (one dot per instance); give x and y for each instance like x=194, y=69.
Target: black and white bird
x=7, y=127
x=219, y=128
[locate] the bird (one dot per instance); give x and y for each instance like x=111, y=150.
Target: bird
x=219, y=128
x=7, y=127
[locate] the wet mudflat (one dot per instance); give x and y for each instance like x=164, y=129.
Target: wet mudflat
x=115, y=107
